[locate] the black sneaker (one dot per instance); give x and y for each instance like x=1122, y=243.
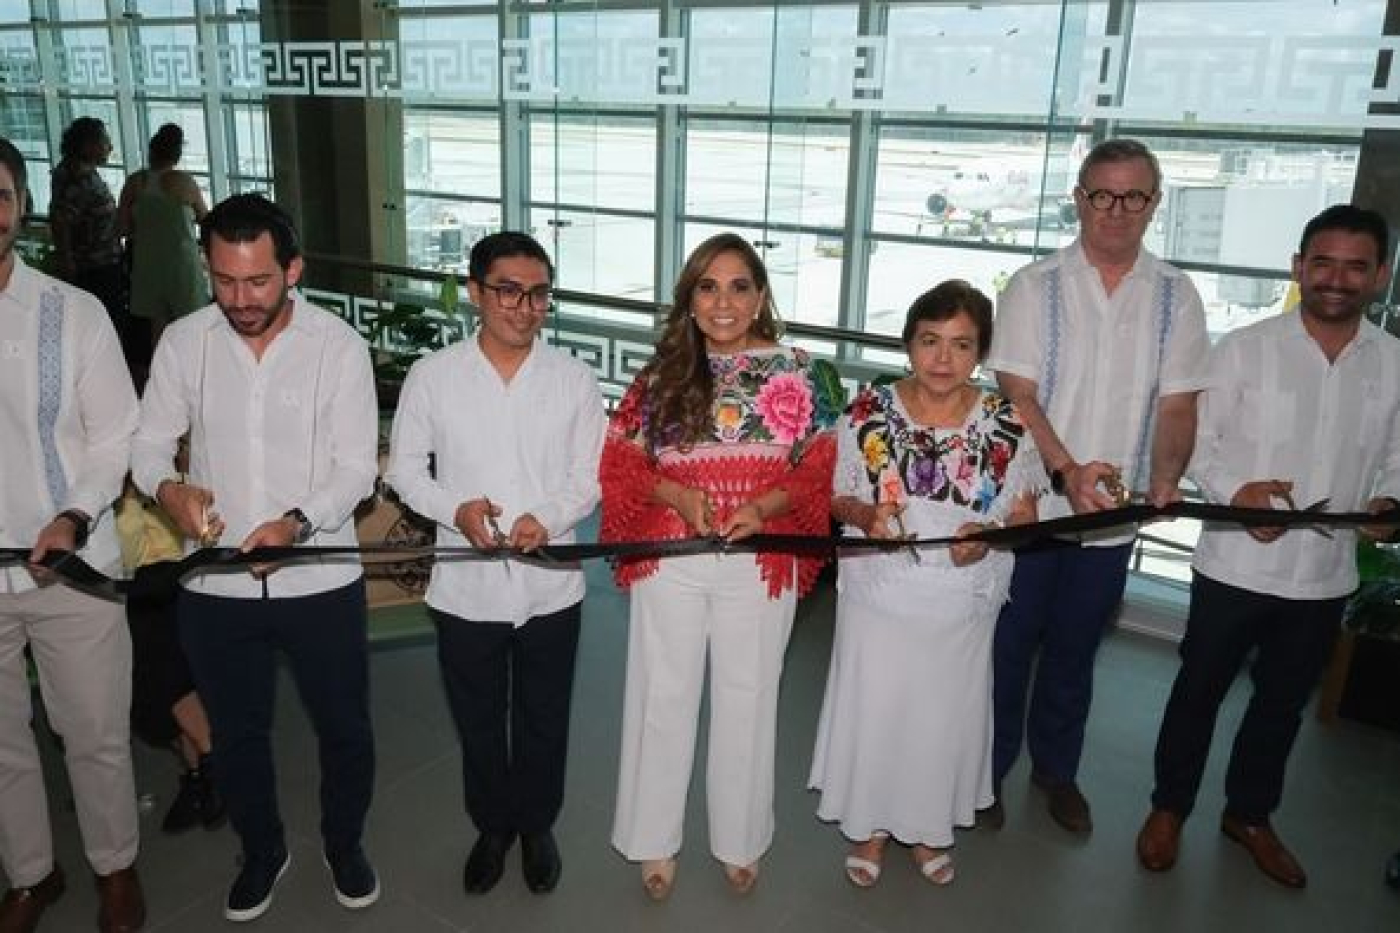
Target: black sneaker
x=184, y=812
x=211, y=803
x=251, y=894
x=356, y=884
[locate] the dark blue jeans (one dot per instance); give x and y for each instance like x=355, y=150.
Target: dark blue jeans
x=232, y=645
x=1063, y=597
x=1292, y=640
x=510, y=691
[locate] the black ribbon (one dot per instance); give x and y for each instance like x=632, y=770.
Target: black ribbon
x=166, y=574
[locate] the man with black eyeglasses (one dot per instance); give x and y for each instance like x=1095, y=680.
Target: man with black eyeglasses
x=1102, y=347
x=497, y=440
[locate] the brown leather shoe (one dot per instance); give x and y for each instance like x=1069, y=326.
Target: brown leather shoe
x=121, y=906
x=22, y=907
x=1066, y=804
x=1159, y=840
x=1269, y=852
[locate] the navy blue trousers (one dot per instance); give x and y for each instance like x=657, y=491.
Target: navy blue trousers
x=232, y=645
x=1292, y=640
x=510, y=691
x=1063, y=597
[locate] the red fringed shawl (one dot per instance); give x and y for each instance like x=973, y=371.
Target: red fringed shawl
x=732, y=473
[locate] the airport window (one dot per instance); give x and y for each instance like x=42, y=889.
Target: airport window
x=870, y=148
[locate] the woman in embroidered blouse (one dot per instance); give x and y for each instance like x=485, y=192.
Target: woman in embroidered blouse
x=904, y=740
x=720, y=434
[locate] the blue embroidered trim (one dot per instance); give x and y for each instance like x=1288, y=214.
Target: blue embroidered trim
x=50, y=361
x=1165, y=318
x=1054, y=323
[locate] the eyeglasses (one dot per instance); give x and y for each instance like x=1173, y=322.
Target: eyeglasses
x=1134, y=202
x=511, y=295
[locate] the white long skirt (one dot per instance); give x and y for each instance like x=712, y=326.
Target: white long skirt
x=904, y=741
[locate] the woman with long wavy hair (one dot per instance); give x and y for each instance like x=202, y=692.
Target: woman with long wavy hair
x=723, y=433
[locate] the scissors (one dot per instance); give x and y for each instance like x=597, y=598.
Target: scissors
x=1317, y=506
x=899, y=526
x=499, y=536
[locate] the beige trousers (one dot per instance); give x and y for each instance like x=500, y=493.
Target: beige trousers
x=82, y=650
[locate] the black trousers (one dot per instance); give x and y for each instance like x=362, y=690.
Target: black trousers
x=510, y=690
x=232, y=645
x=1292, y=640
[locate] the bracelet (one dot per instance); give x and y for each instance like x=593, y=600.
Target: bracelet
x=81, y=526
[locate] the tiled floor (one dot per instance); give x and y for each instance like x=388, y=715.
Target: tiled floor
x=1341, y=814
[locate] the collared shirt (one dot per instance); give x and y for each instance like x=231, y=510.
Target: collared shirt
x=67, y=412
x=530, y=446
x=1101, y=362
x=1277, y=409
x=296, y=429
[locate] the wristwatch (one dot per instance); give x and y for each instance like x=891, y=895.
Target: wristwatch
x=304, y=529
x=82, y=526
x=1057, y=482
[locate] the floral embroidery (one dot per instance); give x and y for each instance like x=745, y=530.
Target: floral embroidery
x=965, y=466
x=785, y=405
x=729, y=418
x=760, y=398
x=876, y=451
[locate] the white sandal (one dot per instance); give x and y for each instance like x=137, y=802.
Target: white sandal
x=938, y=869
x=856, y=864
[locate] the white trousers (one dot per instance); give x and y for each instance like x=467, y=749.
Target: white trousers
x=82, y=650
x=692, y=606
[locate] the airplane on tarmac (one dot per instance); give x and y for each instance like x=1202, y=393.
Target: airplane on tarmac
x=989, y=200
x=992, y=196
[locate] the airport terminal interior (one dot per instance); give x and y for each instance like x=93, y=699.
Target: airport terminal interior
x=868, y=149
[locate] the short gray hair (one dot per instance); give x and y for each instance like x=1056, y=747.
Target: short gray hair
x=1121, y=150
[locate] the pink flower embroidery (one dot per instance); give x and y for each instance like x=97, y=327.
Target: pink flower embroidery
x=785, y=404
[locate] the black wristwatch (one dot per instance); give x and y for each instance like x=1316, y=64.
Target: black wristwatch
x=82, y=526
x=304, y=529
x=1057, y=482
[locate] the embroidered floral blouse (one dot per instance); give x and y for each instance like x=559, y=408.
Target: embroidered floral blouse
x=770, y=420
x=966, y=467
x=945, y=477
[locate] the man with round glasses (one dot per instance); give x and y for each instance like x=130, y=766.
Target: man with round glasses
x=497, y=440
x=1102, y=347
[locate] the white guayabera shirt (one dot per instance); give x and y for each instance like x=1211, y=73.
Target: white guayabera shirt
x=1101, y=362
x=1277, y=409
x=67, y=411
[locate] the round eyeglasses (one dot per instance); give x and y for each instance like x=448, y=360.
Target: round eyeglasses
x=1134, y=202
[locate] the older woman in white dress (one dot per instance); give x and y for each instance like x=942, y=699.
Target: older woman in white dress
x=904, y=743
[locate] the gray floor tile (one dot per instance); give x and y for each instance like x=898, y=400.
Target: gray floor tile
x=1341, y=814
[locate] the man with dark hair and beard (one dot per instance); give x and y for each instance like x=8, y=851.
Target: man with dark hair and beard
x=1300, y=408
x=68, y=410
x=277, y=397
